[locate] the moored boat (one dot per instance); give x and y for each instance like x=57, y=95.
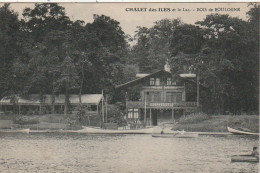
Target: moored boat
x=15, y=130
x=241, y=132
x=181, y=134
x=244, y=158
x=95, y=130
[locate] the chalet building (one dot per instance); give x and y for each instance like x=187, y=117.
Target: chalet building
x=32, y=104
x=158, y=97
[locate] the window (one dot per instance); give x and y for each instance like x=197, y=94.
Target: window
x=133, y=113
x=173, y=97
x=154, y=97
x=136, y=115
x=152, y=81
x=130, y=113
x=169, y=81
x=157, y=81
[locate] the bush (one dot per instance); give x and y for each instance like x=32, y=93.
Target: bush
x=26, y=120
x=115, y=114
x=193, y=118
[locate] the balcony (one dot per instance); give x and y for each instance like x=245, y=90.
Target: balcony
x=162, y=87
x=141, y=104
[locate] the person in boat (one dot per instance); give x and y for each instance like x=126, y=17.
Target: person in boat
x=255, y=152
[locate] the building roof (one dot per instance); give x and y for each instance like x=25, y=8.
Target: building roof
x=34, y=99
x=138, y=75
x=184, y=77
x=132, y=82
x=188, y=75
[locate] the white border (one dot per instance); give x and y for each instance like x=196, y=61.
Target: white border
x=125, y=1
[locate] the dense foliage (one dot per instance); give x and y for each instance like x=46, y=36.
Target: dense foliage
x=45, y=52
x=222, y=50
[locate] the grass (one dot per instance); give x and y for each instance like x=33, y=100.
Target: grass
x=193, y=118
x=218, y=123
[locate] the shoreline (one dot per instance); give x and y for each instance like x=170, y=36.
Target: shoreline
x=213, y=125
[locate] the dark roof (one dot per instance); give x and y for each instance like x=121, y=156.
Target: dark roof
x=132, y=82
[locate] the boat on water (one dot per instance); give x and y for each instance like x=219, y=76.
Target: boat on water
x=244, y=158
x=178, y=134
x=96, y=130
x=15, y=130
x=241, y=131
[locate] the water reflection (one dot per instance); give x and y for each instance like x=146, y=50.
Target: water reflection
x=54, y=152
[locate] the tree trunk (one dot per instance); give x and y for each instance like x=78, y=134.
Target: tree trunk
x=52, y=102
x=53, y=96
x=81, y=86
x=67, y=97
x=41, y=103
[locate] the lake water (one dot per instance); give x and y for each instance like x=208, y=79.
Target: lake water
x=61, y=152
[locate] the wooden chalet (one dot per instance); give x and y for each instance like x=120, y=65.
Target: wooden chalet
x=161, y=98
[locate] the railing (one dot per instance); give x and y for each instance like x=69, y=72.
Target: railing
x=141, y=104
x=135, y=104
x=160, y=87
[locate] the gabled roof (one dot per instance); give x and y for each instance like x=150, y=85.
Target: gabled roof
x=184, y=77
x=132, y=82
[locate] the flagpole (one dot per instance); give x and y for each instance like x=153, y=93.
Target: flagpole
x=102, y=100
x=198, y=90
x=145, y=108
x=106, y=109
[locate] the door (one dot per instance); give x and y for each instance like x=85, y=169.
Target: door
x=154, y=117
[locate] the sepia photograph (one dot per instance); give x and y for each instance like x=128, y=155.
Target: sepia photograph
x=129, y=87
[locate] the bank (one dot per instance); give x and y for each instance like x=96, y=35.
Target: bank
x=219, y=123
x=207, y=123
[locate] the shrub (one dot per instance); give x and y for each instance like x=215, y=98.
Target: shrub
x=25, y=120
x=115, y=114
x=193, y=118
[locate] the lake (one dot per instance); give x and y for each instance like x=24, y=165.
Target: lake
x=65, y=152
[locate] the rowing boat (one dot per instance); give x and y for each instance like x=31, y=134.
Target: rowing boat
x=96, y=130
x=244, y=158
x=177, y=135
x=15, y=130
x=241, y=132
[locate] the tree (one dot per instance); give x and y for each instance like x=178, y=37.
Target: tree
x=219, y=47
x=10, y=39
x=229, y=44
x=110, y=55
x=44, y=18
x=153, y=45
x=50, y=52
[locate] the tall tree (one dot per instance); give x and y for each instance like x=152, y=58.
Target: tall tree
x=153, y=45
x=111, y=52
x=10, y=48
x=48, y=26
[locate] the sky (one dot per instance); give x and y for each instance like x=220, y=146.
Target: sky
x=130, y=19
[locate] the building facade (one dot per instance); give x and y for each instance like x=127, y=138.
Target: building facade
x=162, y=98
x=34, y=105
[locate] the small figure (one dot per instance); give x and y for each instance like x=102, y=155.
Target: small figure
x=255, y=152
x=162, y=132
